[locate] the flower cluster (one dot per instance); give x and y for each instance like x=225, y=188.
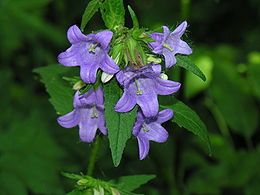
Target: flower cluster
x=142, y=83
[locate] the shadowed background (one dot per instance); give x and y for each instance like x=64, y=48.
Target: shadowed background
x=225, y=39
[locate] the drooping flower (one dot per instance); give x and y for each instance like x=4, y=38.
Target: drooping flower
x=88, y=114
x=141, y=86
x=150, y=129
x=170, y=43
x=90, y=52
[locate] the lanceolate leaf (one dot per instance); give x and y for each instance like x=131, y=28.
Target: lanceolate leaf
x=185, y=62
x=113, y=13
x=119, y=124
x=90, y=10
x=61, y=94
x=185, y=117
x=134, y=18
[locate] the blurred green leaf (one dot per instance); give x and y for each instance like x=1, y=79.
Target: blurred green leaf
x=193, y=84
x=61, y=95
x=89, y=12
x=10, y=184
x=113, y=13
x=185, y=62
x=185, y=117
x=254, y=78
x=132, y=182
x=231, y=94
x=119, y=124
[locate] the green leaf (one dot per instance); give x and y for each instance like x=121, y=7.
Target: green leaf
x=132, y=182
x=134, y=18
x=90, y=10
x=113, y=13
x=185, y=117
x=119, y=124
x=61, y=95
x=185, y=62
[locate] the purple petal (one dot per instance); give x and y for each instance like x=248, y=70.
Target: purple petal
x=102, y=123
x=103, y=38
x=166, y=87
x=87, y=126
x=109, y=66
x=75, y=35
x=88, y=72
x=183, y=48
x=69, y=57
x=156, y=132
x=158, y=37
x=99, y=96
x=125, y=103
x=166, y=32
x=157, y=68
x=178, y=32
x=148, y=103
x=144, y=147
x=88, y=98
x=170, y=59
x=164, y=115
x=138, y=123
x=69, y=120
x=120, y=77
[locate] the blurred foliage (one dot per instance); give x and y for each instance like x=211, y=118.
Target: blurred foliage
x=226, y=44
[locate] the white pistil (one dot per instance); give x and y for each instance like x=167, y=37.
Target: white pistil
x=94, y=115
x=168, y=47
x=93, y=48
x=145, y=129
x=139, y=92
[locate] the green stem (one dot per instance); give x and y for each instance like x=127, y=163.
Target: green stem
x=185, y=8
x=93, y=157
x=219, y=119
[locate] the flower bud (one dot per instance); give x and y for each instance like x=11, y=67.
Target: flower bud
x=163, y=76
x=105, y=77
x=114, y=191
x=151, y=59
x=78, y=85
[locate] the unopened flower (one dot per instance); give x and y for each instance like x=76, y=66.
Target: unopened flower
x=89, y=52
x=164, y=76
x=170, y=43
x=141, y=86
x=150, y=129
x=105, y=77
x=88, y=114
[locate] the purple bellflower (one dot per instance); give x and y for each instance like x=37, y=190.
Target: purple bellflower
x=141, y=87
x=88, y=114
x=89, y=52
x=170, y=43
x=150, y=129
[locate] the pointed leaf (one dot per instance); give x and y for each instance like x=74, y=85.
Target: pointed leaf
x=61, y=94
x=90, y=10
x=185, y=62
x=119, y=124
x=185, y=117
x=133, y=16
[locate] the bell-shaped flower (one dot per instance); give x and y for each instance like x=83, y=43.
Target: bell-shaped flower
x=90, y=52
x=141, y=86
x=150, y=129
x=170, y=43
x=88, y=114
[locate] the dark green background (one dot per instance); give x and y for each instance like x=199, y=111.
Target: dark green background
x=225, y=39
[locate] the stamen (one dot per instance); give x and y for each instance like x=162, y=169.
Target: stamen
x=139, y=92
x=168, y=47
x=92, y=48
x=145, y=129
x=94, y=115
